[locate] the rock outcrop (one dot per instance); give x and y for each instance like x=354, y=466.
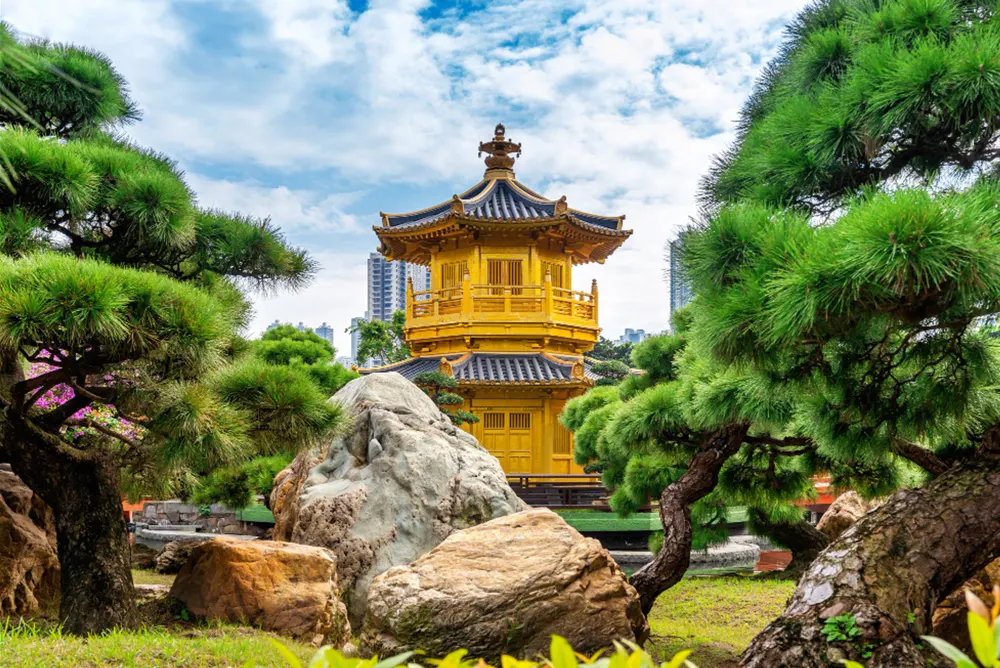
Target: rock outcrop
x=951, y=616
x=29, y=565
x=504, y=587
x=280, y=587
x=395, y=484
x=173, y=557
x=845, y=510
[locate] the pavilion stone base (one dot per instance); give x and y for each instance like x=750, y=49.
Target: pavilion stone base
x=736, y=554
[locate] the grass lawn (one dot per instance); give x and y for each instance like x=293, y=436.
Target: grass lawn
x=142, y=577
x=715, y=617
x=196, y=647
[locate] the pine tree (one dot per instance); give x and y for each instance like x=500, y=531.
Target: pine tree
x=290, y=375
x=848, y=251
x=438, y=387
x=120, y=303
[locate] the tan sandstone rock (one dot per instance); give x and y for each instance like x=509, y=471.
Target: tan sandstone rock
x=29, y=565
x=281, y=587
x=845, y=510
x=389, y=488
x=504, y=587
x=951, y=616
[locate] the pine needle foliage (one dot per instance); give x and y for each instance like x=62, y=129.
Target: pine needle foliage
x=844, y=265
x=121, y=303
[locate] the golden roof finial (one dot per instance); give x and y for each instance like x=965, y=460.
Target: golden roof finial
x=499, y=160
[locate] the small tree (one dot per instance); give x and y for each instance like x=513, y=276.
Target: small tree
x=437, y=386
x=286, y=345
x=605, y=349
x=381, y=342
x=284, y=367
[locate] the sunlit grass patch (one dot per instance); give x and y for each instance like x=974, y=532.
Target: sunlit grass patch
x=200, y=647
x=716, y=617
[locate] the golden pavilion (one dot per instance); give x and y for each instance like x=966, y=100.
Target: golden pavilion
x=502, y=316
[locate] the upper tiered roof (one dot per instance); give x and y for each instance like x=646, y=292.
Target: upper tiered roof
x=500, y=203
x=498, y=200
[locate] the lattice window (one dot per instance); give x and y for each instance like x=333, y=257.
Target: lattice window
x=452, y=274
x=555, y=270
x=561, y=444
x=504, y=272
x=493, y=421
x=521, y=421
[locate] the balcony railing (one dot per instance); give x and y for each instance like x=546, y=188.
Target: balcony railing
x=502, y=302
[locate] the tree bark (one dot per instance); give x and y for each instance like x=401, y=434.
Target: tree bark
x=97, y=593
x=803, y=539
x=698, y=481
x=890, y=570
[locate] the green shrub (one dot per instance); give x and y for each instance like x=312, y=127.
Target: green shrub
x=561, y=655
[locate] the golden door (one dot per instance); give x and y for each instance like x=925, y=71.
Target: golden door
x=508, y=437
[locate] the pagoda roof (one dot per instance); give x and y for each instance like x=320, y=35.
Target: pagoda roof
x=498, y=198
x=499, y=204
x=497, y=368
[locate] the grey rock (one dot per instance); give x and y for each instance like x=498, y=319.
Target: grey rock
x=376, y=512
x=374, y=450
x=174, y=556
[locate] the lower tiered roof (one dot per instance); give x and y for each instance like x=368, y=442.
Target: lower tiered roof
x=498, y=368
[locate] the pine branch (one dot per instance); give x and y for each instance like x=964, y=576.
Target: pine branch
x=919, y=455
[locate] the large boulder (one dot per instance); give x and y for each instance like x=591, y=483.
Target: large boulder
x=281, y=587
x=29, y=565
x=950, y=620
x=845, y=510
x=504, y=587
x=388, y=489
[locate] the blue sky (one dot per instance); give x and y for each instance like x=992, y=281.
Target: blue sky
x=321, y=113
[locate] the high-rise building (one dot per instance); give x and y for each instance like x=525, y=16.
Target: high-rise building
x=633, y=336
x=276, y=323
x=420, y=275
x=387, y=285
x=325, y=331
x=680, y=289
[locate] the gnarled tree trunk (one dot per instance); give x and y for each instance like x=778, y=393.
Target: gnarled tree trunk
x=698, y=481
x=893, y=566
x=97, y=593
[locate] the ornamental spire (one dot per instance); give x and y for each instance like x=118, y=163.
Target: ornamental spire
x=499, y=160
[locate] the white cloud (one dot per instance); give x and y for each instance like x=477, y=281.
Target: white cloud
x=312, y=31
x=615, y=108
x=335, y=296
x=295, y=210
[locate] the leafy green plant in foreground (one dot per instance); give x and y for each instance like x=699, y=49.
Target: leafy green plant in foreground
x=984, y=632
x=561, y=655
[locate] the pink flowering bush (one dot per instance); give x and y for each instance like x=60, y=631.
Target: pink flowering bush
x=88, y=421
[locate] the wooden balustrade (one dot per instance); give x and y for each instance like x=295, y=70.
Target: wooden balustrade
x=470, y=301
